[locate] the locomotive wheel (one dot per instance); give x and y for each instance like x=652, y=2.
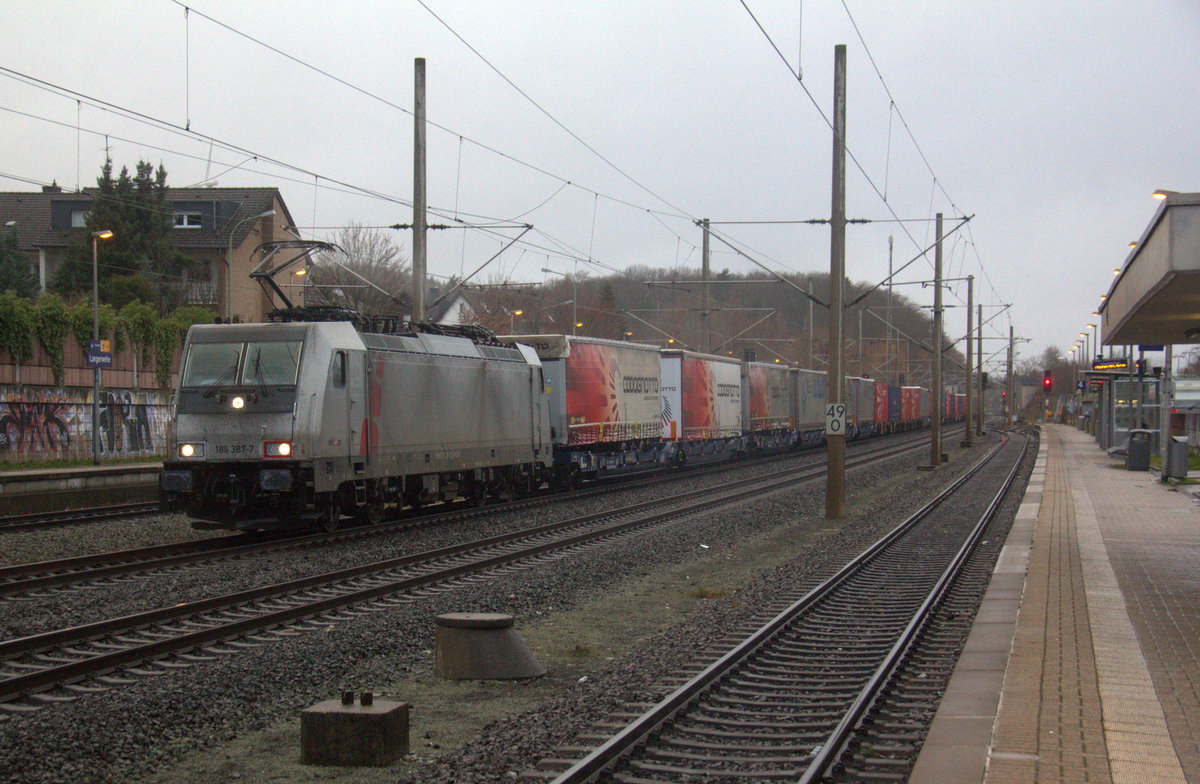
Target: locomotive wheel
x=476, y=494
x=372, y=513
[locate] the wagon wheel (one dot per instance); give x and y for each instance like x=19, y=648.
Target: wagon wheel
x=331, y=518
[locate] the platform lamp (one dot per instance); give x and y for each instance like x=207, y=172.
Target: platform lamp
x=102, y=234
x=229, y=262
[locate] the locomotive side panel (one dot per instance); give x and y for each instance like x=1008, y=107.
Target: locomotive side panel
x=442, y=413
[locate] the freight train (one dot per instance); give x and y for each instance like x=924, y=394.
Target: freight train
x=281, y=424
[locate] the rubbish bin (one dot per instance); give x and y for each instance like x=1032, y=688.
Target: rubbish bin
x=1177, y=458
x=1138, y=456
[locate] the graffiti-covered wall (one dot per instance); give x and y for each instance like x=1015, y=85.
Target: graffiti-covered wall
x=40, y=423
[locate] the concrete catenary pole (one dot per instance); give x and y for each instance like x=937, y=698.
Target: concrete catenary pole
x=979, y=366
x=1010, y=408
x=705, y=268
x=835, y=476
x=969, y=409
x=935, y=393
x=419, y=252
x=891, y=372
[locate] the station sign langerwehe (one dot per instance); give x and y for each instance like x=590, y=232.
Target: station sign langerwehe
x=99, y=354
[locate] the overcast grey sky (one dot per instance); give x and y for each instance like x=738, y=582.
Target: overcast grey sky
x=1051, y=123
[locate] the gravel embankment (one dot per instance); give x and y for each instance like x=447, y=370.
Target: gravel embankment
x=606, y=621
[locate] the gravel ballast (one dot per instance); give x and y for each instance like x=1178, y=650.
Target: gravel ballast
x=606, y=621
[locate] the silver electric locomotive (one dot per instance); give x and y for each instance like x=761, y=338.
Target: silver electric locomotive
x=279, y=423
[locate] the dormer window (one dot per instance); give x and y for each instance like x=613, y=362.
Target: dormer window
x=188, y=220
x=79, y=218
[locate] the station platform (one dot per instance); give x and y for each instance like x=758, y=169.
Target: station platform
x=39, y=490
x=1083, y=664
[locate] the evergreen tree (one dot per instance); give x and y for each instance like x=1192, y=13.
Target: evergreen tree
x=15, y=272
x=139, y=259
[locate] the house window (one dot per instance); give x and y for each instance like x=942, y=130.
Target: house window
x=188, y=220
x=79, y=219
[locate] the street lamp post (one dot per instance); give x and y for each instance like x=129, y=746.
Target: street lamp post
x=574, y=297
x=229, y=262
x=103, y=234
x=512, y=321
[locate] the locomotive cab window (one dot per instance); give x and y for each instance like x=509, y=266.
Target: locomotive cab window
x=271, y=364
x=258, y=363
x=212, y=363
x=338, y=369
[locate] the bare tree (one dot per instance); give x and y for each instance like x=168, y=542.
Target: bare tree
x=373, y=277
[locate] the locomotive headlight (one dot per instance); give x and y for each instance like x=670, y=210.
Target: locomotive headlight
x=277, y=448
x=238, y=402
x=191, y=450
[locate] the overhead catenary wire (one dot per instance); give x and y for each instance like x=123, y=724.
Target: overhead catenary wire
x=870, y=181
x=321, y=182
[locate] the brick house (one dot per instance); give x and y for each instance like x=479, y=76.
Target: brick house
x=219, y=227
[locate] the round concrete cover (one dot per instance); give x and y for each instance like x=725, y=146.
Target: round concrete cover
x=475, y=620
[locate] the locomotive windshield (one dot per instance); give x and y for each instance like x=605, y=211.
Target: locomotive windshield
x=271, y=364
x=257, y=363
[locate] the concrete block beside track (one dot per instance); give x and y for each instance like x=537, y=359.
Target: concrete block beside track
x=368, y=732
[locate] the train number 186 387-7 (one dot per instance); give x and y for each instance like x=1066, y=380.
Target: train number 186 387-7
x=233, y=449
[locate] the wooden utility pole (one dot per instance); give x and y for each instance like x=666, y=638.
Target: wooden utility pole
x=936, y=392
x=835, y=417
x=419, y=253
x=969, y=409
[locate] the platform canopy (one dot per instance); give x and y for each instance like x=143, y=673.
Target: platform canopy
x=1156, y=297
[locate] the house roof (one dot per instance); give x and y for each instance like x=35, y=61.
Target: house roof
x=42, y=219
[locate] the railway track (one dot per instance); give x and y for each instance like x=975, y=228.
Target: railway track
x=59, y=665
x=31, y=522
x=33, y=579
x=805, y=695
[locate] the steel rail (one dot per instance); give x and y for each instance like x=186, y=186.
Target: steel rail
x=72, y=517
x=25, y=578
x=142, y=624
x=834, y=746
x=620, y=744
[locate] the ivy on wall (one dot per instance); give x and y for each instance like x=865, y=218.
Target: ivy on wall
x=51, y=320
x=51, y=323
x=16, y=326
